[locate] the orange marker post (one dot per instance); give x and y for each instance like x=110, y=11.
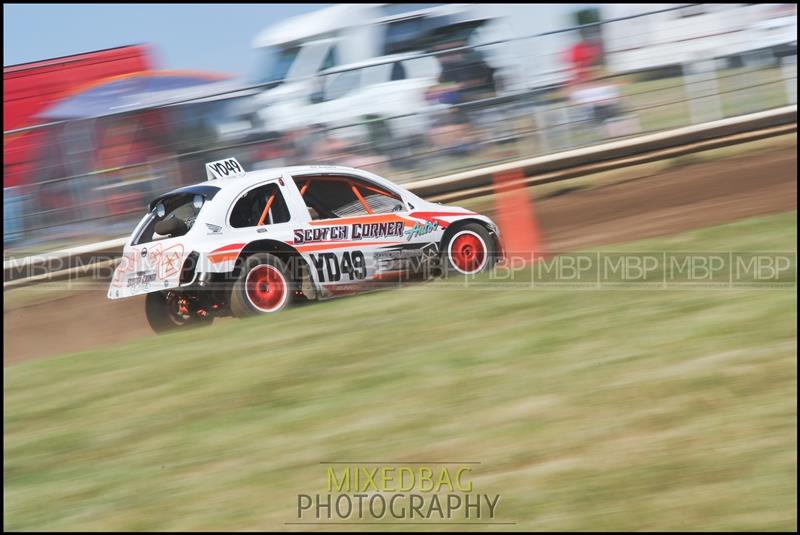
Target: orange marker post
x=516, y=218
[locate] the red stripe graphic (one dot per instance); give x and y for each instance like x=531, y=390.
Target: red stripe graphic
x=224, y=253
x=237, y=246
x=340, y=245
x=426, y=215
x=435, y=216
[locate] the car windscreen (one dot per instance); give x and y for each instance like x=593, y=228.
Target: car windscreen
x=206, y=190
x=171, y=215
x=275, y=64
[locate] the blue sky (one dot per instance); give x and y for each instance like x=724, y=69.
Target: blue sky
x=213, y=37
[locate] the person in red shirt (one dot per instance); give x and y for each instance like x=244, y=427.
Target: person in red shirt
x=582, y=56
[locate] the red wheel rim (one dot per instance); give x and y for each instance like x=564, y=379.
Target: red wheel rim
x=468, y=252
x=266, y=288
x=178, y=309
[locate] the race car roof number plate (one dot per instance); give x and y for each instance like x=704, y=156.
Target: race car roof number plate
x=227, y=168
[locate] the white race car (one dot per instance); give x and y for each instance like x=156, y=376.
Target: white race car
x=248, y=243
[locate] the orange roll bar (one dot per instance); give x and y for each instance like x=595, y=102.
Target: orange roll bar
x=376, y=190
x=266, y=209
x=361, y=198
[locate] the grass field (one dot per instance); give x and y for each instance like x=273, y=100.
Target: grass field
x=587, y=409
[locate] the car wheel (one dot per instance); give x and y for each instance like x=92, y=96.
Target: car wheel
x=262, y=287
x=469, y=250
x=168, y=311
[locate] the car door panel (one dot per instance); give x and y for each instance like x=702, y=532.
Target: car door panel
x=353, y=252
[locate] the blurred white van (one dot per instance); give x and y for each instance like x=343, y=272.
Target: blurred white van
x=313, y=54
x=390, y=87
x=345, y=34
x=679, y=34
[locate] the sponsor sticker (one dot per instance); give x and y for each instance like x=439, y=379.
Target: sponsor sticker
x=356, y=231
x=420, y=229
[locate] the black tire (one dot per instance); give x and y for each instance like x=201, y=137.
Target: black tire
x=469, y=250
x=163, y=315
x=268, y=290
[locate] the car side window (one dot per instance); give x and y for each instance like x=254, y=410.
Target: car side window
x=341, y=84
x=331, y=59
x=263, y=205
x=329, y=197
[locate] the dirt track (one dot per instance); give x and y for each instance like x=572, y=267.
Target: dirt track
x=685, y=198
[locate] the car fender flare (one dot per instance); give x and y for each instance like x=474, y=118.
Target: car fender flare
x=457, y=225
